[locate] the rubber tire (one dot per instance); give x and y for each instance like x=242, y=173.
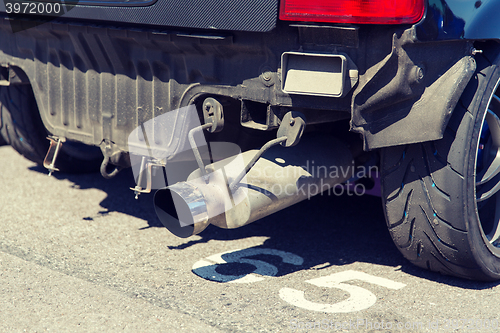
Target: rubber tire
x=22, y=128
x=428, y=189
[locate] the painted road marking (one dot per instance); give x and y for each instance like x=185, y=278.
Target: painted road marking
x=206, y=268
x=360, y=298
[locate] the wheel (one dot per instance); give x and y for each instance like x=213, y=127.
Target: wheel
x=22, y=128
x=441, y=198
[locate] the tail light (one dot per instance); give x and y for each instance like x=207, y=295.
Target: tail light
x=353, y=11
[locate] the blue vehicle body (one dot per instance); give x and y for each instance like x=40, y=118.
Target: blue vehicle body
x=456, y=19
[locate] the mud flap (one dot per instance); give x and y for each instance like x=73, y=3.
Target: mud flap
x=410, y=95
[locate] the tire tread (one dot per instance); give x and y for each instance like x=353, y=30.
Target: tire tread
x=431, y=176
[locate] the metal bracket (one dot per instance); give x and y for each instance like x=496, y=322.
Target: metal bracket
x=214, y=122
x=254, y=160
x=195, y=149
x=50, y=159
x=289, y=133
x=213, y=114
x=146, y=166
x=292, y=127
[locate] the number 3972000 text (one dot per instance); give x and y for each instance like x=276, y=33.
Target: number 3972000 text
x=32, y=8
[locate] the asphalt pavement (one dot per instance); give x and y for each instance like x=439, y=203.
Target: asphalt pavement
x=79, y=253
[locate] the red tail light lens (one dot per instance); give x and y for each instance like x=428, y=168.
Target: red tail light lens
x=353, y=11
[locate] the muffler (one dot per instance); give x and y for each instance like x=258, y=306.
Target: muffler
x=279, y=179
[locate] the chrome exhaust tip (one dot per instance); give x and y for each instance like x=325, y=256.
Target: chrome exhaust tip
x=182, y=209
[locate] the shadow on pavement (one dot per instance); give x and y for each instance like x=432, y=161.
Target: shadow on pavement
x=326, y=230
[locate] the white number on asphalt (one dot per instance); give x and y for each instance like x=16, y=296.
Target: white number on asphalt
x=206, y=268
x=359, y=299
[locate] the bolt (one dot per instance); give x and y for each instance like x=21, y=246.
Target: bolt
x=267, y=75
x=292, y=122
x=474, y=51
x=419, y=73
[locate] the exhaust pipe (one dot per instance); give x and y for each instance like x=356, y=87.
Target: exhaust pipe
x=279, y=179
